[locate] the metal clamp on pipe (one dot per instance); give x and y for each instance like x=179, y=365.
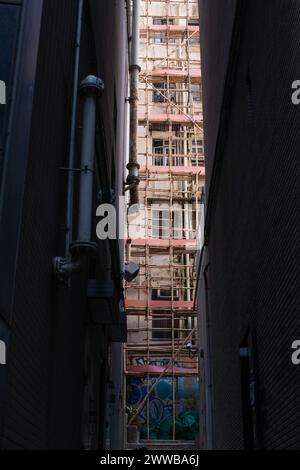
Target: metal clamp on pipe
x=90, y=88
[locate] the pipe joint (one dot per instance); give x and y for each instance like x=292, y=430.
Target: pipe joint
x=92, y=85
x=134, y=67
x=133, y=176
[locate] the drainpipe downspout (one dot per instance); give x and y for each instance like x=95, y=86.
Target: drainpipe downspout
x=133, y=166
x=129, y=29
x=90, y=89
x=71, y=161
x=63, y=266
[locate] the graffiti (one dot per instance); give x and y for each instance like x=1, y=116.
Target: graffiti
x=142, y=361
x=155, y=419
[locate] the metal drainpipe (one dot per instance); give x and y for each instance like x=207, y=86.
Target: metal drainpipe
x=129, y=30
x=90, y=89
x=133, y=166
x=71, y=161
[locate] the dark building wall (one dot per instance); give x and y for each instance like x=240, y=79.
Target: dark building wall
x=215, y=47
x=252, y=220
x=55, y=350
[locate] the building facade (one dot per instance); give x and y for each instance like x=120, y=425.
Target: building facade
x=160, y=357
x=249, y=272
x=61, y=292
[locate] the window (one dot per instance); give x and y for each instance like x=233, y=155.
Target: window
x=158, y=127
x=193, y=22
x=160, y=38
x=169, y=223
x=163, y=21
x=197, y=152
x=162, y=329
x=196, y=93
x=162, y=326
x=176, y=129
x=161, y=222
x=197, y=146
x=157, y=93
x=165, y=294
x=163, y=150
x=179, y=215
x=9, y=19
x=163, y=93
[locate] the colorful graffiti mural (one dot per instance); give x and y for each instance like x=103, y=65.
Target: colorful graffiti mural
x=155, y=420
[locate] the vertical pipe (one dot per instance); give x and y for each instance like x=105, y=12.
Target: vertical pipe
x=89, y=89
x=71, y=161
x=87, y=170
x=117, y=420
x=136, y=14
x=129, y=30
x=133, y=166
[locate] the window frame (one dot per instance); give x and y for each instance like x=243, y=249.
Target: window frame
x=161, y=21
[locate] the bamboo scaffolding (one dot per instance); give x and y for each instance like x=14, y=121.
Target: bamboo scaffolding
x=165, y=265
x=171, y=362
